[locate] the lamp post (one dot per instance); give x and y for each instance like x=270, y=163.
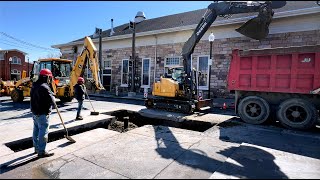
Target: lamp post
x=28, y=68
x=211, y=39
x=98, y=32
x=10, y=60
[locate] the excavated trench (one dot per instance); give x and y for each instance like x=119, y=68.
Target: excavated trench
x=122, y=122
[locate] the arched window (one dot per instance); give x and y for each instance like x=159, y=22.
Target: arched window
x=16, y=60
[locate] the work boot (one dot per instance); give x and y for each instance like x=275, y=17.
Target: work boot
x=79, y=118
x=45, y=154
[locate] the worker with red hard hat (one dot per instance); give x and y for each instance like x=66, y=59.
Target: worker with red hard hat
x=79, y=92
x=41, y=100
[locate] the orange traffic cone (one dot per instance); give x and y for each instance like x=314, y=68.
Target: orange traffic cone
x=224, y=106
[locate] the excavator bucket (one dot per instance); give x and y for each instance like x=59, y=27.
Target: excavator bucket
x=258, y=27
x=255, y=28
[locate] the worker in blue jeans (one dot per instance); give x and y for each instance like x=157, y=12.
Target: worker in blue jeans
x=41, y=100
x=79, y=92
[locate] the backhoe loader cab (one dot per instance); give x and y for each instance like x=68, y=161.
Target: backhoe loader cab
x=60, y=68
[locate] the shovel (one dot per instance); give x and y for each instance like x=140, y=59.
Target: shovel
x=66, y=136
x=94, y=111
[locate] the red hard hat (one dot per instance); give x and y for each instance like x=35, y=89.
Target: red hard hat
x=46, y=72
x=80, y=79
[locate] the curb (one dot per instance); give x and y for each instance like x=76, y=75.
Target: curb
x=103, y=96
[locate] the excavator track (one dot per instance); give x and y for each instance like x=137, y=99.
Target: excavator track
x=173, y=105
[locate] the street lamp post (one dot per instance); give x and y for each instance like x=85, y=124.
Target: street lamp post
x=10, y=60
x=211, y=39
x=28, y=74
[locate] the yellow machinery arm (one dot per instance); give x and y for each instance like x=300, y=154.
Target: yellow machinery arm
x=88, y=53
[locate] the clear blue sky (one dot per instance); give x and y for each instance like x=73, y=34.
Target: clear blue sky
x=55, y=22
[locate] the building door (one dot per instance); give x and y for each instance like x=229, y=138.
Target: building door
x=106, y=75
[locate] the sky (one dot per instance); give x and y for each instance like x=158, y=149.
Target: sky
x=34, y=26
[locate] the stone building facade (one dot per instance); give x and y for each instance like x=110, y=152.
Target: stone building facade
x=161, y=49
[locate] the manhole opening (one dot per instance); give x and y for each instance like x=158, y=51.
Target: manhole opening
x=129, y=120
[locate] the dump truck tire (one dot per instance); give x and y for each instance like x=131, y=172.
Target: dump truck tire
x=254, y=110
x=297, y=114
x=17, y=95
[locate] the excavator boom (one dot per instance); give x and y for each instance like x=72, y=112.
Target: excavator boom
x=256, y=28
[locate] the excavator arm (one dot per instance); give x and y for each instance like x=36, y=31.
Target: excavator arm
x=88, y=53
x=256, y=28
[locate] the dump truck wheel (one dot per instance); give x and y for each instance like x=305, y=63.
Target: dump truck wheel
x=17, y=95
x=254, y=110
x=297, y=114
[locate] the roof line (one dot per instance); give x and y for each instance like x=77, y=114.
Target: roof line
x=277, y=15
x=14, y=50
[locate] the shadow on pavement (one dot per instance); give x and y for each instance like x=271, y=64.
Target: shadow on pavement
x=197, y=159
x=278, y=138
x=20, y=161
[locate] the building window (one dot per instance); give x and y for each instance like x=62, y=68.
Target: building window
x=145, y=79
x=15, y=74
x=106, y=64
x=14, y=71
x=203, y=68
x=171, y=62
x=1, y=56
x=125, y=73
x=16, y=60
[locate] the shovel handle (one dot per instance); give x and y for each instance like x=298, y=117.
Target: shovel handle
x=55, y=105
x=89, y=100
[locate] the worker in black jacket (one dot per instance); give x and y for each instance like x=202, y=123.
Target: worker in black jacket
x=41, y=101
x=79, y=92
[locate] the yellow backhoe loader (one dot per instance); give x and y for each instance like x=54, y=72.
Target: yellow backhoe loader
x=65, y=76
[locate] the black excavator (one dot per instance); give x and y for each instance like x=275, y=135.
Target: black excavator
x=179, y=92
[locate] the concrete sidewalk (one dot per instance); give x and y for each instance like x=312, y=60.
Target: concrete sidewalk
x=154, y=152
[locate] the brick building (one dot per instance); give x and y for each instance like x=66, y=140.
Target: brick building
x=18, y=64
x=159, y=43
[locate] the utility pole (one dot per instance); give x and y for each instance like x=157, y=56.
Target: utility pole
x=133, y=89
x=100, y=53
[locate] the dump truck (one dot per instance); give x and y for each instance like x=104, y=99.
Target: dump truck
x=281, y=84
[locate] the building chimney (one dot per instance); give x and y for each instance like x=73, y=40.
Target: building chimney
x=112, y=31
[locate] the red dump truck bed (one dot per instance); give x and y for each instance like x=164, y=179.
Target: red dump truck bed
x=287, y=70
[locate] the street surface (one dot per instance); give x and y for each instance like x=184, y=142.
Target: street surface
x=229, y=149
